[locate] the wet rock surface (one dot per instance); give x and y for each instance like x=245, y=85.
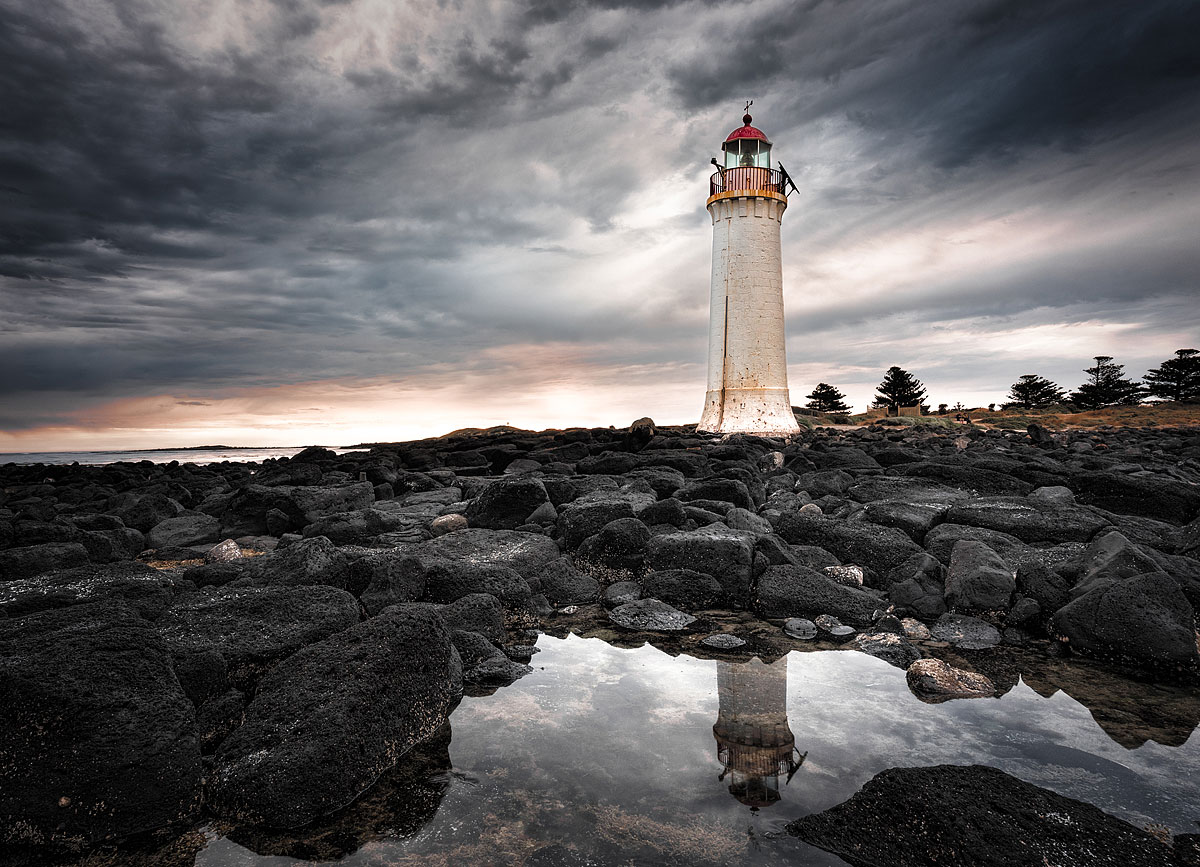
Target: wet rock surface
x=973, y=815
x=98, y=738
x=314, y=737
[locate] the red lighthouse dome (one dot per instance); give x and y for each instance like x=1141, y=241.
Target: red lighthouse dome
x=747, y=131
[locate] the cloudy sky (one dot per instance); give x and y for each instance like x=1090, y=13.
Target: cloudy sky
x=293, y=221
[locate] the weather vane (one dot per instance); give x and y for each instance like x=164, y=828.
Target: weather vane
x=749, y=103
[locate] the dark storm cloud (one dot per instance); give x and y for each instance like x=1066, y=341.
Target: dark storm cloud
x=960, y=82
x=288, y=192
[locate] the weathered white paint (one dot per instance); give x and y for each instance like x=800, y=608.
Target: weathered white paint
x=747, y=364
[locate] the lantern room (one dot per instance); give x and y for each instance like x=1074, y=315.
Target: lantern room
x=747, y=147
x=747, y=166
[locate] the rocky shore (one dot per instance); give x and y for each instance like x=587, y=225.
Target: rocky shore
x=259, y=644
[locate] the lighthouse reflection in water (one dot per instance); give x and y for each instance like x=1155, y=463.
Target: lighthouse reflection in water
x=755, y=745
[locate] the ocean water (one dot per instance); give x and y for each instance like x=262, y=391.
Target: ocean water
x=158, y=456
x=615, y=756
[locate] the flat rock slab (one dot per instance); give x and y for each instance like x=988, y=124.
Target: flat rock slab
x=650, y=615
x=973, y=816
x=143, y=588
x=525, y=553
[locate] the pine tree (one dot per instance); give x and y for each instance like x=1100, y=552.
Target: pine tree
x=1178, y=378
x=900, y=388
x=1034, y=392
x=1107, y=387
x=826, y=398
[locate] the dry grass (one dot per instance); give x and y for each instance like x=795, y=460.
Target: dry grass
x=1149, y=415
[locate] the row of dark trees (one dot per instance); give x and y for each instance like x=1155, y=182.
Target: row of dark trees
x=1176, y=379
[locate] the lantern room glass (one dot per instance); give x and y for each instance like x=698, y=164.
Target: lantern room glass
x=743, y=152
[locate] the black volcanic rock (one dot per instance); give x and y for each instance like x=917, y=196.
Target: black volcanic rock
x=1145, y=619
x=1158, y=497
x=525, y=553
x=1028, y=520
x=684, y=589
x=27, y=561
x=334, y=717
x=973, y=816
x=98, y=739
x=507, y=504
x=727, y=555
x=237, y=633
x=796, y=591
x=147, y=591
x=563, y=584
x=879, y=549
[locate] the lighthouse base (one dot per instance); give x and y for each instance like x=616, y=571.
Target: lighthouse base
x=764, y=411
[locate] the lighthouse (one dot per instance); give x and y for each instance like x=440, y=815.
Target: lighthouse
x=747, y=362
x=755, y=745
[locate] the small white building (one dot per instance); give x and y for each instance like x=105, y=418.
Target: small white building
x=747, y=363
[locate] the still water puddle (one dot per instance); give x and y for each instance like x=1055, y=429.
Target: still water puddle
x=637, y=757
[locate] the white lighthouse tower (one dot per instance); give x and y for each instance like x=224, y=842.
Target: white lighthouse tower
x=747, y=364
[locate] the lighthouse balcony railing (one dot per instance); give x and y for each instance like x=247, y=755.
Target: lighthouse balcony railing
x=749, y=179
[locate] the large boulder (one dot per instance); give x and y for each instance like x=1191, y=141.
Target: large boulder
x=563, y=584
x=298, y=505
x=893, y=489
x=186, y=528
x=973, y=816
x=98, y=738
x=1145, y=619
x=507, y=504
x=915, y=519
x=481, y=613
x=978, y=580
x=727, y=555
x=941, y=540
x=966, y=477
x=448, y=580
x=334, y=717
x=1028, y=520
x=29, y=560
x=684, y=589
x=525, y=553
x=348, y=528
x=1151, y=496
x=147, y=511
x=386, y=570
x=724, y=490
x=144, y=589
x=1111, y=557
x=223, y=634
x=796, y=591
x=620, y=544
x=307, y=562
x=879, y=549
